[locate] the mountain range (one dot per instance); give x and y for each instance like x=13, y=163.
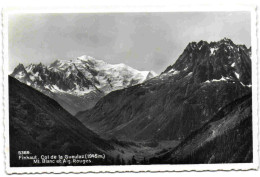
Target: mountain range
x=79, y=83
x=198, y=110
x=206, y=77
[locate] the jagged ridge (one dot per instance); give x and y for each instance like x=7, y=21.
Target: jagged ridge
x=215, y=60
x=78, y=84
x=178, y=101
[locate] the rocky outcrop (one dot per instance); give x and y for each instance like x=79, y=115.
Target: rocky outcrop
x=206, y=77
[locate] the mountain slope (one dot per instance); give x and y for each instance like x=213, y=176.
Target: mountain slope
x=78, y=84
x=205, y=77
x=226, y=138
x=40, y=125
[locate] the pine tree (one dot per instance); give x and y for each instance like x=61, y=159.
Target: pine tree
x=123, y=161
x=144, y=161
x=118, y=161
x=133, y=160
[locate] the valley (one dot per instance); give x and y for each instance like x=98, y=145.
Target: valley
x=198, y=110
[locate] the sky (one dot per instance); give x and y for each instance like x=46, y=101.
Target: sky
x=144, y=41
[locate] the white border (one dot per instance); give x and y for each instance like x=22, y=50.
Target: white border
x=137, y=168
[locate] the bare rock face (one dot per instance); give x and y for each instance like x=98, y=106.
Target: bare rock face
x=78, y=84
x=215, y=60
x=206, y=77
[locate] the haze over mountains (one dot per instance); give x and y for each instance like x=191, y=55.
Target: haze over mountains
x=79, y=83
x=206, y=77
x=198, y=110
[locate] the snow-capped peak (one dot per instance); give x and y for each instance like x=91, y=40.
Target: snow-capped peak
x=80, y=76
x=86, y=57
x=210, y=60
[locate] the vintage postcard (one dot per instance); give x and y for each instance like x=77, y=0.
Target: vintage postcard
x=130, y=89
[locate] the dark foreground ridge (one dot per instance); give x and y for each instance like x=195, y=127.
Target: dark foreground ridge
x=40, y=125
x=226, y=138
x=199, y=110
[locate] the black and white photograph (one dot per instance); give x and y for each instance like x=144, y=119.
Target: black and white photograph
x=129, y=89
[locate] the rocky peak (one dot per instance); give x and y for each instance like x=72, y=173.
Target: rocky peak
x=39, y=68
x=216, y=60
x=201, y=44
x=20, y=72
x=55, y=63
x=79, y=79
x=226, y=41
x=150, y=75
x=19, y=68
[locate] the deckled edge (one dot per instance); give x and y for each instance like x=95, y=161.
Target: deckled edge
x=258, y=79
x=5, y=97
